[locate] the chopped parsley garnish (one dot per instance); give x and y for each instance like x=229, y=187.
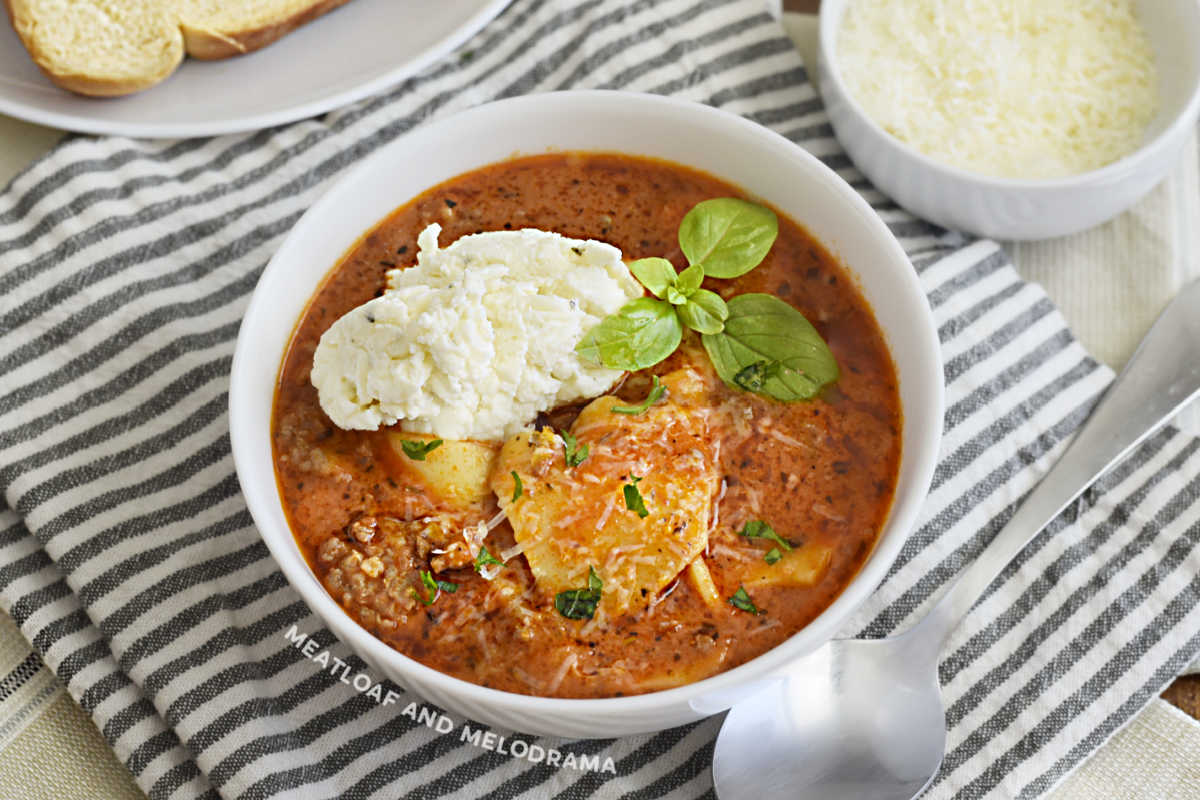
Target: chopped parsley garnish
x=656, y=394
x=741, y=600
x=757, y=529
x=574, y=453
x=434, y=586
x=418, y=450
x=518, y=487
x=773, y=555
x=484, y=558
x=580, y=603
x=633, y=498
x=753, y=377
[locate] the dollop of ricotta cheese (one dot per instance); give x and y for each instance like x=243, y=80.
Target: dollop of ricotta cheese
x=477, y=338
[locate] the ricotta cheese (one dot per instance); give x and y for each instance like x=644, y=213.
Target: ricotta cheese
x=477, y=338
x=1012, y=88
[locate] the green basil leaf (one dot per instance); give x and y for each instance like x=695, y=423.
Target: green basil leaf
x=573, y=453
x=757, y=529
x=518, y=487
x=675, y=297
x=581, y=603
x=761, y=327
x=418, y=450
x=741, y=599
x=427, y=579
x=773, y=555
x=704, y=312
x=633, y=498
x=641, y=334
x=656, y=393
x=656, y=274
x=689, y=280
x=434, y=587
x=727, y=237
x=484, y=558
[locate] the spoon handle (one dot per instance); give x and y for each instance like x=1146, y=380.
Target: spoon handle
x=1162, y=376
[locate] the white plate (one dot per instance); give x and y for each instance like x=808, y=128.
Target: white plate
x=360, y=48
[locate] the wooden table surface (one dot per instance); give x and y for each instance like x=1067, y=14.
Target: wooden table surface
x=1184, y=693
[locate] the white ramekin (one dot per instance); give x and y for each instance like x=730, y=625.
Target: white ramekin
x=1004, y=208
x=746, y=154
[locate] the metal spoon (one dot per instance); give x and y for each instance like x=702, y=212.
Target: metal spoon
x=864, y=719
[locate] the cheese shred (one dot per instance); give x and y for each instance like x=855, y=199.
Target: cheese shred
x=1008, y=88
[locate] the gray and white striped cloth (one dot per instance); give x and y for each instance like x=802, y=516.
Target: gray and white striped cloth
x=129, y=560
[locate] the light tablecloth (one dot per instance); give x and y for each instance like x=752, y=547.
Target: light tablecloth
x=41, y=687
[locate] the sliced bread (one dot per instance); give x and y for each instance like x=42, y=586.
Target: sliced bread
x=114, y=47
x=100, y=47
x=212, y=29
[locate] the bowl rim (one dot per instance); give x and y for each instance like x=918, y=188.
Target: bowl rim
x=828, y=24
x=901, y=516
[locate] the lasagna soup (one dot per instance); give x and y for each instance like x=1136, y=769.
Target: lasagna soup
x=668, y=528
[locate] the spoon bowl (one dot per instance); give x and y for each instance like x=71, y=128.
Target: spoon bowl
x=870, y=730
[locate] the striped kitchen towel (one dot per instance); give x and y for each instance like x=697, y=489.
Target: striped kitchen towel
x=129, y=559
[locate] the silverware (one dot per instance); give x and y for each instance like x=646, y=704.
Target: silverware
x=864, y=719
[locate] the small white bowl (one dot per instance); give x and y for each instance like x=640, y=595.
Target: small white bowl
x=1004, y=208
x=746, y=154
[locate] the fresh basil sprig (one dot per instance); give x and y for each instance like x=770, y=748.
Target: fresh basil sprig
x=704, y=312
x=641, y=334
x=656, y=274
x=756, y=342
x=769, y=348
x=727, y=237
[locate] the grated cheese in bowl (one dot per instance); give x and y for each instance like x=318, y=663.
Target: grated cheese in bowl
x=1007, y=88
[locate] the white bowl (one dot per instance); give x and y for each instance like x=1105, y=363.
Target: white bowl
x=746, y=154
x=1004, y=208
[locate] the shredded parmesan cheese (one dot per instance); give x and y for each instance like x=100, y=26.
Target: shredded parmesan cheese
x=828, y=513
x=608, y=509
x=1011, y=88
x=474, y=535
x=766, y=626
x=561, y=673
x=511, y=552
x=655, y=601
x=788, y=440
x=729, y=552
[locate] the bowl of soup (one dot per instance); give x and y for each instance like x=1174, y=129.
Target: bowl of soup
x=586, y=413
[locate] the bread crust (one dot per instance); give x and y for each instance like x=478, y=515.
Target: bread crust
x=92, y=86
x=209, y=45
x=186, y=40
